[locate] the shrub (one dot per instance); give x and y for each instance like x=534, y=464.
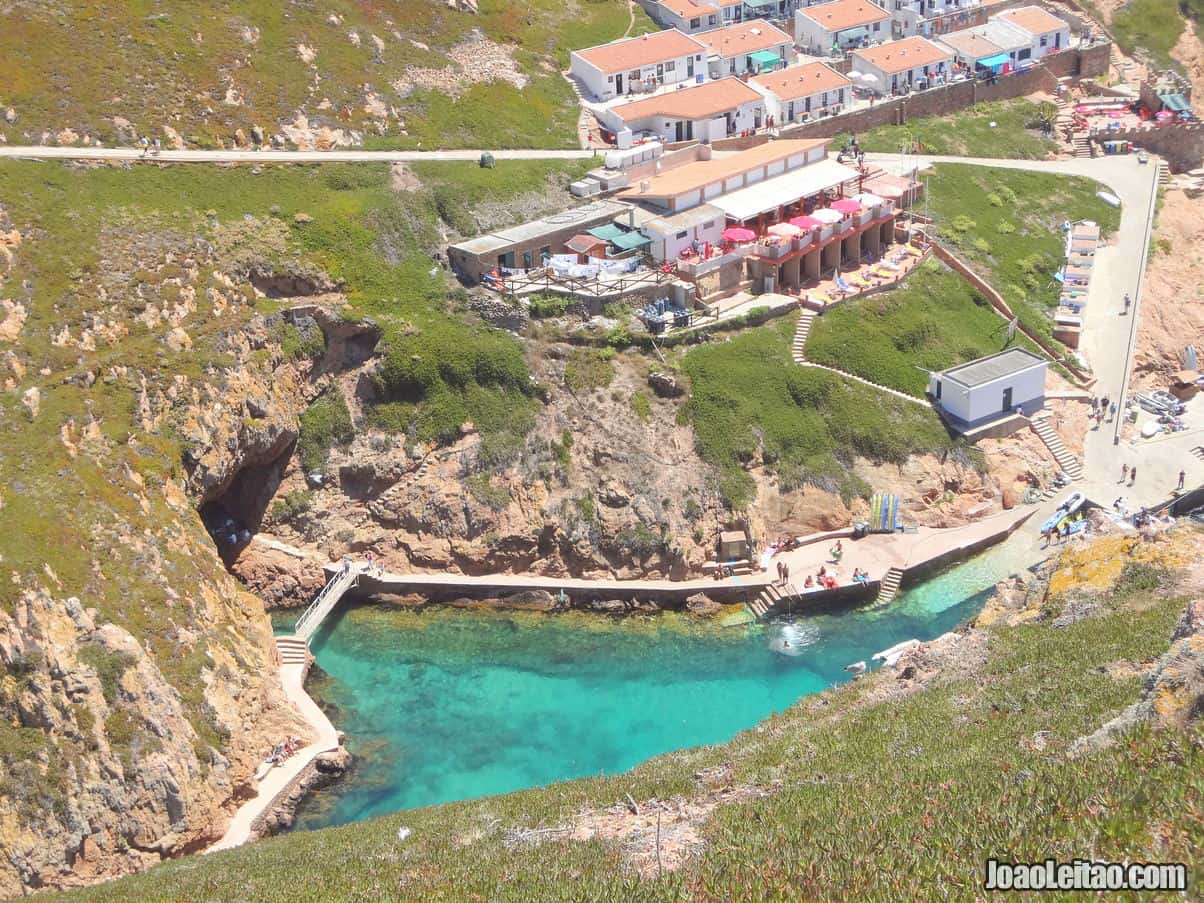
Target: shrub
x=291, y=505
x=325, y=422
x=108, y=665
x=641, y=405
x=298, y=345
x=588, y=368
x=542, y=306
x=963, y=223
x=488, y=493
x=1003, y=227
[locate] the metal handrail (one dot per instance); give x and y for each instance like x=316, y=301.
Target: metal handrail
x=327, y=591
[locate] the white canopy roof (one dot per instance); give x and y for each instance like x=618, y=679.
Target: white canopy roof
x=781, y=190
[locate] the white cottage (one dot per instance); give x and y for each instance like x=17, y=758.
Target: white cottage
x=1047, y=33
x=639, y=64
x=973, y=394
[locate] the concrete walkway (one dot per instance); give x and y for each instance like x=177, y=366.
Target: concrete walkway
x=277, y=780
x=1109, y=335
x=282, y=156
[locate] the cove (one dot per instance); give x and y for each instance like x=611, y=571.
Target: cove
x=446, y=704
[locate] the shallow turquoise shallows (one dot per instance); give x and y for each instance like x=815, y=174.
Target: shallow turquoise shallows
x=448, y=704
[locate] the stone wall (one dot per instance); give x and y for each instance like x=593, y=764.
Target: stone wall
x=939, y=101
x=1181, y=144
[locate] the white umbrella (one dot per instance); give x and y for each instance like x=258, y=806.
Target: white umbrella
x=867, y=199
x=827, y=215
x=869, y=78
x=854, y=76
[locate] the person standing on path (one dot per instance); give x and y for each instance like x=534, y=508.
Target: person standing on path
x=1124, y=472
x=1112, y=412
x=1132, y=474
x=1128, y=301
x=1182, y=479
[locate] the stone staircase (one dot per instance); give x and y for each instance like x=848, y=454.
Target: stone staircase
x=1198, y=451
x=1066, y=461
x=769, y=598
x=1164, y=173
x=1081, y=146
x=889, y=588
x=292, y=650
x=801, y=331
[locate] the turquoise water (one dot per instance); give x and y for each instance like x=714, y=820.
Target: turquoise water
x=448, y=704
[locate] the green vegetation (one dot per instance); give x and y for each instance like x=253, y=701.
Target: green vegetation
x=588, y=369
x=90, y=237
x=488, y=493
x=966, y=133
x=1154, y=26
x=749, y=398
x=211, y=69
x=296, y=345
x=933, y=321
x=108, y=665
x=974, y=765
x=543, y=306
x=291, y=505
x=641, y=404
x=324, y=423
x=1007, y=225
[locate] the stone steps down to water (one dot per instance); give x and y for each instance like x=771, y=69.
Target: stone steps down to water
x=889, y=587
x=292, y=650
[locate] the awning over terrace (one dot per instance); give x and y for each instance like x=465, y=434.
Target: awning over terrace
x=608, y=232
x=629, y=240
x=765, y=59
x=994, y=62
x=782, y=190
x=1174, y=102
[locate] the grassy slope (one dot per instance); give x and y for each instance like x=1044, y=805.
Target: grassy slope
x=966, y=133
x=933, y=321
x=1007, y=225
x=746, y=393
x=1154, y=26
x=77, y=64
x=901, y=799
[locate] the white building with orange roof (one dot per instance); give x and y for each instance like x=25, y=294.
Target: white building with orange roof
x=1048, y=33
x=838, y=25
x=638, y=65
x=804, y=92
x=751, y=46
x=714, y=109
x=907, y=64
x=689, y=16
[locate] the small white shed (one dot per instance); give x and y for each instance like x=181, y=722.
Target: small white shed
x=980, y=391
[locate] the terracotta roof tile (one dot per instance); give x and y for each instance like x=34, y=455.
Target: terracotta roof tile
x=645, y=50
x=700, y=102
x=802, y=81
x=841, y=14
x=1034, y=20
x=899, y=56
x=695, y=175
x=744, y=37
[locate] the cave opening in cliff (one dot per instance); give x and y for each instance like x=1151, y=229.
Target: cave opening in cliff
x=235, y=514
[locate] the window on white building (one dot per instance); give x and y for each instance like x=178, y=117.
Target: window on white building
x=695, y=23
x=1044, y=40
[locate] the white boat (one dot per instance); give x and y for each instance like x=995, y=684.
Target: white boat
x=888, y=657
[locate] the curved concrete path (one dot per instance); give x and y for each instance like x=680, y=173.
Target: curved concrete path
x=281, y=156
x=276, y=781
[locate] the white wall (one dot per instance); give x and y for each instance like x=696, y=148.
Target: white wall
x=603, y=87
x=986, y=401
x=669, y=19
x=669, y=246
x=886, y=83
x=1055, y=41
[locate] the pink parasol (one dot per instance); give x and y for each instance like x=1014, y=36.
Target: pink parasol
x=806, y=222
x=784, y=230
x=738, y=234
x=845, y=205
